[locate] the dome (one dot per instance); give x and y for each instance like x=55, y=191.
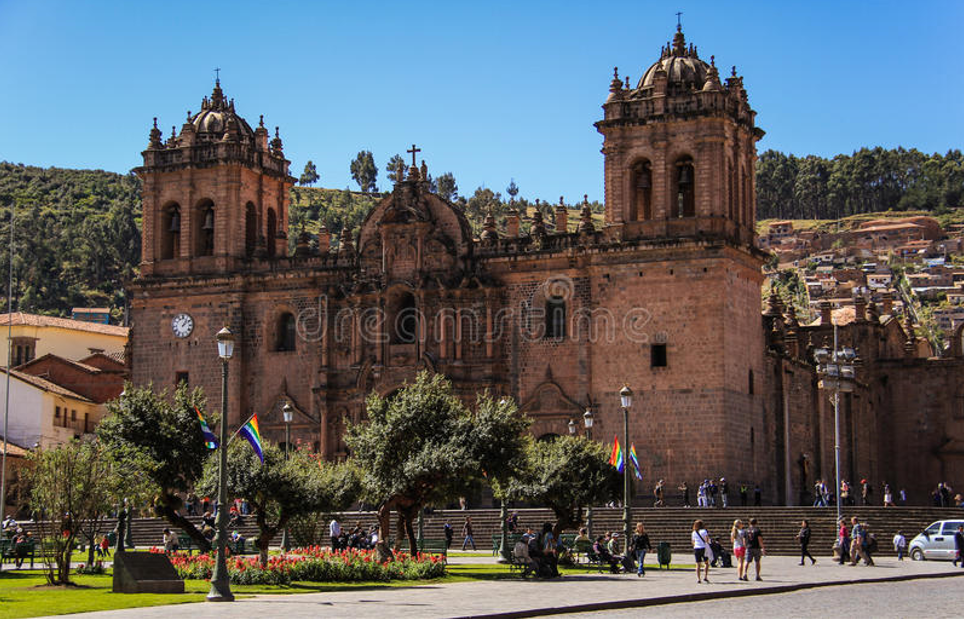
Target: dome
x=681, y=64
x=216, y=114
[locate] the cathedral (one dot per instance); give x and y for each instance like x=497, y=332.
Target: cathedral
x=664, y=296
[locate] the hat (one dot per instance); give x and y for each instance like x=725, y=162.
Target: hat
x=615, y=535
x=863, y=481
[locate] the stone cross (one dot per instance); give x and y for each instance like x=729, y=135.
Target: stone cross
x=217, y=73
x=414, y=150
x=679, y=21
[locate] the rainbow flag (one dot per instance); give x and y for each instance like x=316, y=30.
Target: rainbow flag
x=616, y=458
x=250, y=431
x=632, y=458
x=209, y=439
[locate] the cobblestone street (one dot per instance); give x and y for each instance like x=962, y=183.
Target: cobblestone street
x=673, y=592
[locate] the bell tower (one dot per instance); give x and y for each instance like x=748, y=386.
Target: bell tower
x=679, y=151
x=215, y=194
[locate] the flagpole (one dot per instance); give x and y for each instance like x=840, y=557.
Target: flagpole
x=235, y=433
x=6, y=408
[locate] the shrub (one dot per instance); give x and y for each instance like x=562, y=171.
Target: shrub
x=312, y=564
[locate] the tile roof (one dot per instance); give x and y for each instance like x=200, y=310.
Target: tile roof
x=46, y=385
x=38, y=320
x=13, y=449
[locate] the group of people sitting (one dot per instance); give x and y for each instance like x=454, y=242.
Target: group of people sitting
x=539, y=552
x=358, y=537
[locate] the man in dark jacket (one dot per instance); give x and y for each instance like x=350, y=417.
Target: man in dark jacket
x=959, y=545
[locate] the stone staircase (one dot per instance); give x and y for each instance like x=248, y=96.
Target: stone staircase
x=671, y=524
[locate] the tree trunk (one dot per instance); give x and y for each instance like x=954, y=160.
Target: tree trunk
x=175, y=519
x=401, y=530
x=413, y=542
x=384, y=526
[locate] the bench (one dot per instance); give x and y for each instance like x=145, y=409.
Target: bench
x=186, y=544
x=431, y=546
x=513, y=538
x=520, y=562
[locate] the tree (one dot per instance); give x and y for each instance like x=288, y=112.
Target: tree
x=364, y=171
x=565, y=474
x=280, y=490
x=512, y=189
x=393, y=166
x=310, y=175
x=76, y=485
x=424, y=446
x=447, y=188
x=161, y=440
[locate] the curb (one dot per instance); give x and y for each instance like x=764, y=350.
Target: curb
x=699, y=597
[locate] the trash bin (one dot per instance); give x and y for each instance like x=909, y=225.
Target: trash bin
x=664, y=554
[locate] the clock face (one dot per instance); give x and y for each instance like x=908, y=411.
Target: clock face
x=182, y=325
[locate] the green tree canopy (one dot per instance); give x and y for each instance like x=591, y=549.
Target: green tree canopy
x=76, y=485
x=161, y=438
x=280, y=490
x=394, y=164
x=565, y=474
x=424, y=446
x=446, y=187
x=310, y=175
x=364, y=171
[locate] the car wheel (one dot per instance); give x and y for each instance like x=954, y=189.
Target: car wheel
x=916, y=554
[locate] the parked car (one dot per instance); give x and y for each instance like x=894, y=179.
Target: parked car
x=936, y=542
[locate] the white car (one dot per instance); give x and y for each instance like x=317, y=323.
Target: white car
x=936, y=542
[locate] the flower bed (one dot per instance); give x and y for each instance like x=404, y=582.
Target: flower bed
x=312, y=564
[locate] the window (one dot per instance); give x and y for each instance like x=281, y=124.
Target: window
x=685, y=188
x=934, y=529
x=73, y=415
x=642, y=191
x=170, y=232
x=204, y=227
x=404, y=320
x=749, y=382
x=181, y=377
x=950, y=527
x=657, y=355
x=555, y=318
x=57, y=412
x=285, y=337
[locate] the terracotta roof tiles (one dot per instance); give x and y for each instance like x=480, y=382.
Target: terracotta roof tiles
x=38, y=320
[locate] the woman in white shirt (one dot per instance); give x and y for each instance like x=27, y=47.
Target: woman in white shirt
x=701, y=543
x=738, y=537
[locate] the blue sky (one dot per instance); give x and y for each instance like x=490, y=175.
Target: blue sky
x=489, y=90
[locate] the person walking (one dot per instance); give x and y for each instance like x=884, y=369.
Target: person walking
x=757, y=495
x=701, y=544
x=658, y=493
x=742, y=495
x=685, y=489
x=755, y=549
x=804, y=538
x=959, y=546
x=843, y=541
x=859, y=543
x=640, y=545
x=449, y=533
x=900, y=545
x=468, y=538
x=725, y=492
x=738, y=537
x=888, y=496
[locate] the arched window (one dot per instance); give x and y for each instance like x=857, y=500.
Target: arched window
x=285, y=339
x=170, y=232
x=730, y=182
x=685, y=182
x=404, y=320
x=555, y=318
x=272, y=231
x=204, y=229
x=250, y=228
x=642, y=192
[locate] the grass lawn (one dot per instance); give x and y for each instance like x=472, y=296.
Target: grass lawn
x=24, y=593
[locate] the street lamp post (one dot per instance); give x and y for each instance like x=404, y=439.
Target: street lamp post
x=220, y=581
x=503, y=524
x=587, y=420
x=572, y=427
x=626, y=399
x=836, y=370
x=289, y=415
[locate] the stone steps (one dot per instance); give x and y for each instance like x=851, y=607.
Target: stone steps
x=671, y=524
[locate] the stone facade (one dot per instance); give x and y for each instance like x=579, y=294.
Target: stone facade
x=664, y=298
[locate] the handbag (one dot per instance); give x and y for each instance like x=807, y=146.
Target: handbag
x=709, y=550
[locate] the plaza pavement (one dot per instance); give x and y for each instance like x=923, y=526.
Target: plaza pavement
x=570, y=594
